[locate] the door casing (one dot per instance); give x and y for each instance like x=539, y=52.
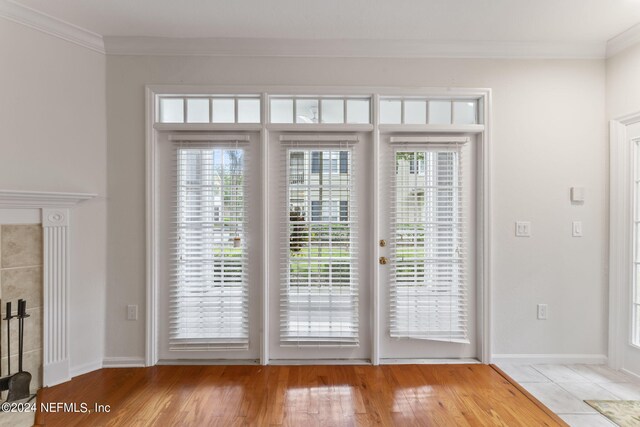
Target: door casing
x=482, y=133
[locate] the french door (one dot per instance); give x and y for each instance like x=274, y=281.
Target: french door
x=319, y=296
x=427, y=270
x=319, y=258
x=209, y=218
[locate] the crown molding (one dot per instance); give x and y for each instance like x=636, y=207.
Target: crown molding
x=261, y=47
x=41, y=199
x=348, y=48
x=623, y=41
x=49, y=25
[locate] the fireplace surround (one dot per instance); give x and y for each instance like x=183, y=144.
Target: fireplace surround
x=53, y=211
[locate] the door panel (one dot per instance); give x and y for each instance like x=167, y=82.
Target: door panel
x=319, y=271
x=210, y=282
x=427, y=218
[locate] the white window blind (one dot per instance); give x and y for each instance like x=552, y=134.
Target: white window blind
x=428, y=277
x=319, y=294
x=209, y=292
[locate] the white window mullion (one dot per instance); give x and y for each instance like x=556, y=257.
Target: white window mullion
x=428, y=279
x=208, y=304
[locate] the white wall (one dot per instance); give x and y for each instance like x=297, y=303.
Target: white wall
x=53, y=138
x=549, y=133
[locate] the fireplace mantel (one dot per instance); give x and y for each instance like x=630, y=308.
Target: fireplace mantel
x=56, y=223
x=13, y=199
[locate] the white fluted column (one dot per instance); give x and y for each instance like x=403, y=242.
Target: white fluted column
x=55, y=223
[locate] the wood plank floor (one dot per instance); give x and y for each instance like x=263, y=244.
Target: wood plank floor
x=393, y=395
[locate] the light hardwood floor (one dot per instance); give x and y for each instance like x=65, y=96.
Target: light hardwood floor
x=394, y=395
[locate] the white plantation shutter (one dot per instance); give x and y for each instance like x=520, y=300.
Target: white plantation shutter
x=428, y=244
x=319, y=289
x=209, y=293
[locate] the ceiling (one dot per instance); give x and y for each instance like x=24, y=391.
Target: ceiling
x=430, y=20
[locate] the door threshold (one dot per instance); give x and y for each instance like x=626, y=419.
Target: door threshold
x=303, y=362
x=208, y=362
x=464, y=361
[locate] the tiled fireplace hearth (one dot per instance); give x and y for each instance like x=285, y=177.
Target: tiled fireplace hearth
x=52, y=212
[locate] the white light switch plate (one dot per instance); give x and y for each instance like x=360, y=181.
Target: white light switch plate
x=576, y=229
x=577, y=194
x=523, y=229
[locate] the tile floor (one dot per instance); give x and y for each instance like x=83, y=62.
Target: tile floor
x=563, y=388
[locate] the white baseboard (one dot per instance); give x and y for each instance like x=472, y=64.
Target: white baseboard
x=123, y=362
x=631, y=373
x=85, y=368
x=525, y=359
x=56, y=373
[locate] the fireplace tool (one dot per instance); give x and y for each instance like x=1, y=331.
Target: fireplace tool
x=19, y=382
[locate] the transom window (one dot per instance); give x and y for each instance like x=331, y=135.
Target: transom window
x=416, y=111
x=328, y=110
x=209, y=109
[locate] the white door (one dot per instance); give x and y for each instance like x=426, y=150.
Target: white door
x=208, y=228
x=319, y=265
x=427, y=222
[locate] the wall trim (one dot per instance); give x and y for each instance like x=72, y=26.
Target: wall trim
x=128, y=45
x=40, y=199
x=123, y=362
x=620, y=230
x=522, y=359
x=49, y=25
x=258, y=47
x=623, y=41
x=631, y=374
x=85, y=368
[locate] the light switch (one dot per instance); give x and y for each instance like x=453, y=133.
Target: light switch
x=577, y=194
x=577, y=229
x=523, y=229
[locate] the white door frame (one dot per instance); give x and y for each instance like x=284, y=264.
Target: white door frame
x=483, y=206
x=620, y=234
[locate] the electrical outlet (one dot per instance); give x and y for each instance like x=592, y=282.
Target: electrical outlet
x=542, y=311
x=132, y=312
x=523, y=229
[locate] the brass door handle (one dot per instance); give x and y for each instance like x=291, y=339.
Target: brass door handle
x=383, y=260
